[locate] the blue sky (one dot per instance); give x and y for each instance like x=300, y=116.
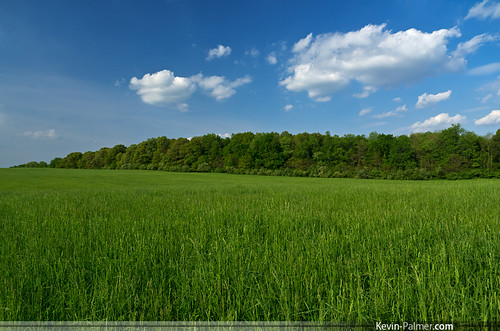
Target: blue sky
x=81, y=75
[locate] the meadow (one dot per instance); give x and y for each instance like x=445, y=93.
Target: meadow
x=151, y=245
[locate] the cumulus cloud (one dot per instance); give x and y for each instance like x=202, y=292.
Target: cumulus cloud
x=373, y=56
x=441, y=121
x=163, y=87
x=271, y=58
x=483, y=10
x=219, y=51
x=47, y=134
x=427, y=100
x=288, y=108
x=492, y=118
x=486, y=69
x=218, y=86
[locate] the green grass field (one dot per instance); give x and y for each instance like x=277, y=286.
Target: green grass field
x=138, y=245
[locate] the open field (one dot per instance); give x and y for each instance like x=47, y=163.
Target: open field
x=138, y=245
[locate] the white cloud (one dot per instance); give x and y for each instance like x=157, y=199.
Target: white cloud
x=254, y=52
x=225, y=135
x=218, y=86
x=376, y=57
x=183, y=107
x=163, y=88
x=397, y=99
x=427, y=100
x=470, y=46
x=119, y=83
x=47, y=134
x=302, y=43
x=367, y=90
x=365, y=111
x=402, y=108
x=219, y=51
x=287, y=108
x=486, y=98
x=492, y=118
x=483, y=10
x=441, y=121
x=396, y=112
x=486, y=69
x=271, y=58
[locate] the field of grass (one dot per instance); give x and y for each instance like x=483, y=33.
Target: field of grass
x=138, y=245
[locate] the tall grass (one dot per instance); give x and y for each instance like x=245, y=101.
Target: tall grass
x=133, y=245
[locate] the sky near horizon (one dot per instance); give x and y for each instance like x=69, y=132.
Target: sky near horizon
x=82, y=75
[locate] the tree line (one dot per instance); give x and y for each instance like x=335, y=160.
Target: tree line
x=452, y=153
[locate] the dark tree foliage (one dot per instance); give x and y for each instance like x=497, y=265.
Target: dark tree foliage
x=452, y=153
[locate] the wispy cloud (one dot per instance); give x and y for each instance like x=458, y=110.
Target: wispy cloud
x=287, y=108
x=367, y=90
x=365, y=111
x=486, y=69
x=47, y=134
x=218, y=52
x=395, y=112
x=427, y=100
x=254, y=52
x=483, y=10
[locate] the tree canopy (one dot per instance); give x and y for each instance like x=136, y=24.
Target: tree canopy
x=451, y=153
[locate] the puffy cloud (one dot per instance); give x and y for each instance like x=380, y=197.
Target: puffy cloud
x=365, y=111
x=288, y=108
x=219, y=51
x=163, y=87
x=437, y=122
x=492, y=118
x=483, y=10
x=427, y=100
x=397, y=99
x=218, y=86
x=271, y=58
x=225, y=135
x=486, y=69
x=367, y=90
x=47, y=134
x=373, y=56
